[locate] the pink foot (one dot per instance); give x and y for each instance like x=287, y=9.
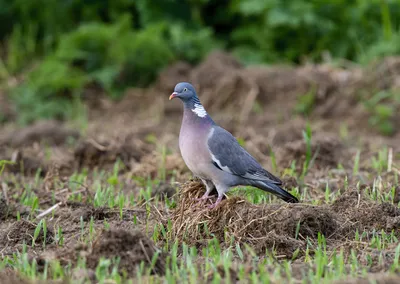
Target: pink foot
x=202, y=199
x=212, y=206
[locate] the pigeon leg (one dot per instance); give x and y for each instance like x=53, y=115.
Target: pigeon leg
x=219, y=199
x=209, y=187
x=221, y=192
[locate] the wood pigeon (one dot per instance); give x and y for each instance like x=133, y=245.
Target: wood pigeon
x=215, y=156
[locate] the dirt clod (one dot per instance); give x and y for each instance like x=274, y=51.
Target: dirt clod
x=4, y=208
x=23, y=232
x=326, y=152
x=362, y=214
x=131, y=247
x=92, y=153
x=26, y=162
x=163, y=190
x=396, y=198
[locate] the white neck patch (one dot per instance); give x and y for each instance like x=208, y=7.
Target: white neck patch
x=199, y=110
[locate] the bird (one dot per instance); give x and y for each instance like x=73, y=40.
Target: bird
x=215, y=156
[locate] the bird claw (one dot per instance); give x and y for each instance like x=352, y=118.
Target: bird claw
x=201, y=200
x=212, y=206
x=205, y=198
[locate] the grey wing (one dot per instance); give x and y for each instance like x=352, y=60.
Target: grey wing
x=229, y=156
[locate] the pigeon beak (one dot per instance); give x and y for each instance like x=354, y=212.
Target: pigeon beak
x=173, y=95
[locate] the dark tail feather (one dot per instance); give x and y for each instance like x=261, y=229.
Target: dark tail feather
x=276, y=190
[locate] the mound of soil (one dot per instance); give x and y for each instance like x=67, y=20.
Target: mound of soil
x=334, y=94
x=262, y=226
x=288, y=132
x=49, y=132
x=91, y=153
x=163, y=190
x=170, y=76
x=151, y=165
x=26, y=161
x=22, y=232
x=277, y=83
x=326, y=150
x=4, y=208
x=396, y=198
x=208, y=74
x=75, y=211
x=224, y=87
x=167, y=79
x=362, y=214
x=131, y=247
x=384, y=74
x=282, y=227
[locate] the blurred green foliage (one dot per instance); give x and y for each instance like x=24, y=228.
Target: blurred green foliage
x=67, y=44
x=279, y=30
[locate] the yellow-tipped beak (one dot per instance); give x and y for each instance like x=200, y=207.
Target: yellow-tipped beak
x=173, y=95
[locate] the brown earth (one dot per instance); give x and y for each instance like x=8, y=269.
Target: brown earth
x=266, y=226
x=258, y=104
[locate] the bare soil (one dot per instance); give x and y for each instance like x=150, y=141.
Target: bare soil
x=258, y=105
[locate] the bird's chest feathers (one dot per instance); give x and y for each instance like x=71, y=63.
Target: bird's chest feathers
x=193, y=146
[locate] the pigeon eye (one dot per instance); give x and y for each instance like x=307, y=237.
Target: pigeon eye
x=185, y=89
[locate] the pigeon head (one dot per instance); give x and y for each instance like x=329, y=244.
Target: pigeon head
x=191, y=102
x=185, y=92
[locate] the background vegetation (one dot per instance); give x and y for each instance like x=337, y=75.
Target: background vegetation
x=55, y=48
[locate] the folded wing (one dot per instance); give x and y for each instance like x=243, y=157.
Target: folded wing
x=229, y=156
